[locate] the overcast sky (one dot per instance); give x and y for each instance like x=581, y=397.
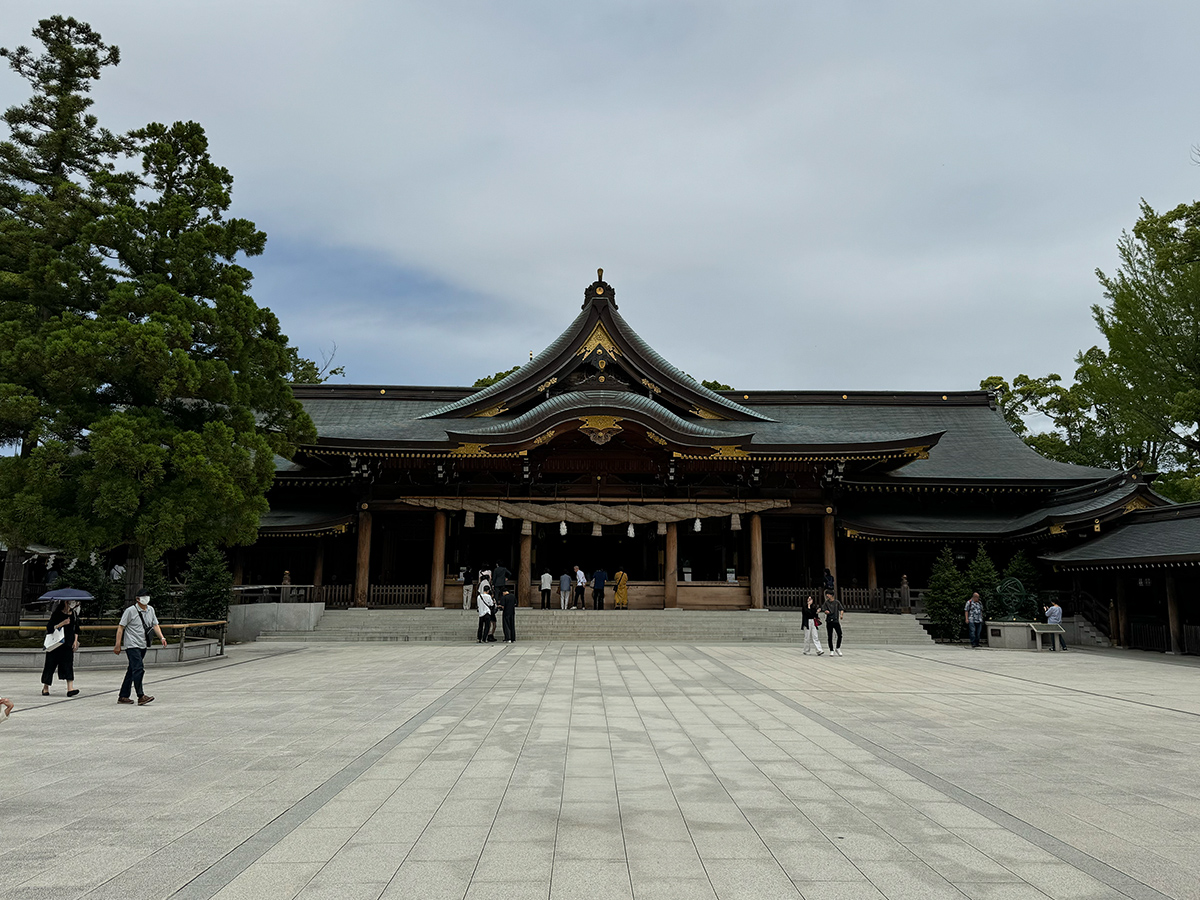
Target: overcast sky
x=855, y=195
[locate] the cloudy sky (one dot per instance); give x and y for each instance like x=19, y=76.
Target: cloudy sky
x=804, y=195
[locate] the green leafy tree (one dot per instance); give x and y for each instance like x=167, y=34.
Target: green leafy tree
x=981, y=576
x=1020, y=568
x=208, y=585
x=89, y=574
x=146, y=389
x=489, y=380
x=945, y=596
x=717, y=386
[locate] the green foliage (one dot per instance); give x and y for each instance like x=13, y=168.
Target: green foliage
x=945, y=596
x=146, y=390
x=92, y=577
x=717, y=386
x=208, y=585
x=492, y=379
x=154, y=582
x=1020, y=568
x=981, y=576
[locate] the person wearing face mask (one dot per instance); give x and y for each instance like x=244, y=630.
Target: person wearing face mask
x=133, y=636
x=62, y=657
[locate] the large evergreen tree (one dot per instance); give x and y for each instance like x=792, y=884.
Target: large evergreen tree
x=945, y=597
x=147, y=391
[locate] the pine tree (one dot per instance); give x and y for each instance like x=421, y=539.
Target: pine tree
x=945, y=597
x=1020, y=568
x=982, y=576
x=208, y=585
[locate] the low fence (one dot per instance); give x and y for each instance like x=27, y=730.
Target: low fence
x=856, y=599
x=1149, y=636
x=331, y=595
x=1191, y=639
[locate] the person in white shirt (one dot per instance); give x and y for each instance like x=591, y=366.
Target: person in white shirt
x=133, y=636
x=487, y=612
x=547, y=587
x=580, y=584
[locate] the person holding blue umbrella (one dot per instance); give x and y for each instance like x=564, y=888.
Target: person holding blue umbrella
x=61, y=656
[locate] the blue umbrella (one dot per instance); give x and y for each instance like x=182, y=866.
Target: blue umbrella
x=66, y=594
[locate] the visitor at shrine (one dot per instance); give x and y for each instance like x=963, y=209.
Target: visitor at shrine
x=487, y=612
x=1054, y=617
x=811, y=625
x=580, y=584
x=833, y=609
x=973, y=615
x=828, y=581
x=621, y=589
x=598, y=580
x=499, y=579
x=547, y=587
x=62, y=657
x=508, y=604
x=564, y=589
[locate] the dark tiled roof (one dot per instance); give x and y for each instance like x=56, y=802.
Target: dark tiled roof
x=573, y=402
x=1169, y=534
x=303, y=518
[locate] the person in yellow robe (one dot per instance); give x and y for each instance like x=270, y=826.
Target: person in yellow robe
x=622, y=589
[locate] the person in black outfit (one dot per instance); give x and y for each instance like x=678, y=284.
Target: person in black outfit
x=828, y=581
x=499, y=579
x=62, y=658
x=509, y=602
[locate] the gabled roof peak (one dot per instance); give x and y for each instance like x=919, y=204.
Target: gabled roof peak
x=599, y=293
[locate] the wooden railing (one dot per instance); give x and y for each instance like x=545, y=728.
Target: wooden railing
x=392, y=595
x=330, y=594
x=1191, y=639
x=861, y=599
x=1149, y=636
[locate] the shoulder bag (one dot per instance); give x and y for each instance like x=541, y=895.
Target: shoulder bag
x=54, y=640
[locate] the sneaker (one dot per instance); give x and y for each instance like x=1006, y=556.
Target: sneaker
x=124, y=700
x=144, y=699
x=820, y=653
x=806, y=653
x=838, y=651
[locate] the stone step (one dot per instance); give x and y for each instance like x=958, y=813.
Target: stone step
x=457, y=625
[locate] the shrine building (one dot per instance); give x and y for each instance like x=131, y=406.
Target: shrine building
x=599, y=453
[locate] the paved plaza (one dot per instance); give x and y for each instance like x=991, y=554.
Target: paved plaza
x=568, y=770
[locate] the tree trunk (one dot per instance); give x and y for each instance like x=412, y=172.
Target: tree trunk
x=12, y=589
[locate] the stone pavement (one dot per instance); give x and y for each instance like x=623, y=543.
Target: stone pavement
x=603, y=770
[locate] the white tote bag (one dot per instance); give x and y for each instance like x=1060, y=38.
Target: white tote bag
x=54, y=641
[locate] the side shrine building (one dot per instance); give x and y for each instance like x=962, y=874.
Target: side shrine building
x=598, y=453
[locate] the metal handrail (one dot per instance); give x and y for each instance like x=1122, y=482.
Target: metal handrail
x=180, y=627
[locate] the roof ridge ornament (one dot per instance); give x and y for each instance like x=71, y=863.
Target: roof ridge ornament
x=599, y=291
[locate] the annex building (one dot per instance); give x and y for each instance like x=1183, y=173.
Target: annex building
x=602, y=454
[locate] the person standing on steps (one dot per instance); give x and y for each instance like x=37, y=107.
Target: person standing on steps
x=832, y=607
x=621, y=589
x=564, y=589
x=599, y=577
x=580, y=584
x=486, y=608
x=508, y=601
x=547, y=587
x=811, y=625
x=499, y=579
x=133, y=636
x=62, y=657
x=973, y=615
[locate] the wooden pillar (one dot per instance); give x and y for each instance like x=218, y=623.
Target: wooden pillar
x=671, y=567
x=319, y=564
x=362, y=569
x=437, y=570
x=831, y=548
x=1114, y=624
x=872, y=574
x=1122, y=614
x=756, y=562
x=525, y=568
x=1174, y=620
x=13, y=586
x=239, y=565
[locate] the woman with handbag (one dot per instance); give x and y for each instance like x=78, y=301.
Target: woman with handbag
x=61, y=655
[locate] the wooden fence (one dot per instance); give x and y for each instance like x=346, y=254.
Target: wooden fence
x=859, y=599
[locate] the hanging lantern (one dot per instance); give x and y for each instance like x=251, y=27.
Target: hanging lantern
x=562, y=528
x=526, y=527
x=499, y=523
x=596, y=532
x=469, y=520
x=735, y=522
x=696, y=525
x=662, y=527
x=630, y=531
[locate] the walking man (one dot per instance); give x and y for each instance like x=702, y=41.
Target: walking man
x=1054, y=617
x=508, y=598
x=973, y=614
x=564, y=590
x=832, y=607
x=133, y=635
x=547, y=587
x=811, y=625
x=598, y=580
x=580, y=584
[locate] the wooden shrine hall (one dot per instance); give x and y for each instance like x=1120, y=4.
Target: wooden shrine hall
x=598, y=453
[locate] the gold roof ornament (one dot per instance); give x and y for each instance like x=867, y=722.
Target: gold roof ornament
x=598, y=338
x=470, y=450
x=601, y=429
x=491, y=411
x=543, y=438
x=704, y=413
x=729, y=451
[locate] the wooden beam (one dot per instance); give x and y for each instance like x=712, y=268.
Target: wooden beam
x=362, y=571
x=1174, y=619
x=671, y=568
x=437, y=570
x=756, y=562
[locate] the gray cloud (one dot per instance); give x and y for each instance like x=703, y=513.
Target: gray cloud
x=793, y=195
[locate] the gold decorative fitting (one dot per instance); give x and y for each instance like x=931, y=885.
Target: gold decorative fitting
x=601, y=429
x=470, y=450
x=1058, y=529
x=704, y=413
x=851, y=533
x=542, y=438
x=598, y=338
x=1137, y=503
x=918, y=452
x=654, y=437
x=491, y=411
x=729, y=451
x=545, y=384
x=651, y=385
x=602, y=363
x=602, y=379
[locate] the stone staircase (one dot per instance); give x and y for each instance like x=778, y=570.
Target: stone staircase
x=629, y=626
x=1085, y=633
